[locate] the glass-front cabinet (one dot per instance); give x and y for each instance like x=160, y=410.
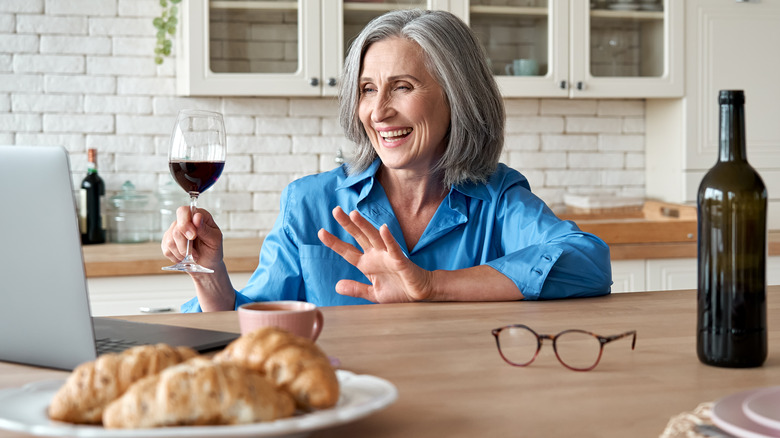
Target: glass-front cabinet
x=581, y=48
x=536, y=48
x=271, y=47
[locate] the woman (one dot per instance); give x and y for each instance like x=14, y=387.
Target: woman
x=423, y=211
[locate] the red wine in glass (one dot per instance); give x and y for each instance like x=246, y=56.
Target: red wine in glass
x=196, y=176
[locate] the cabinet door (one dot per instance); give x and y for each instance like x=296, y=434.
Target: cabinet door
x=625, y=49
x=576, y=48
x=342, y=21
x=526, y=43
x=239, y=47
x=729, y=45
x=671, y=274
x=131, y=295
x=628, y=276
x=736, y=48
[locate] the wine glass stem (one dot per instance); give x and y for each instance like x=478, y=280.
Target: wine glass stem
x=193, y=208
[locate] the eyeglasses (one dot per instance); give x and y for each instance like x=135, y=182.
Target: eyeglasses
x=577, y=350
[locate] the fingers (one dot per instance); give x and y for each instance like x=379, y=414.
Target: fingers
x=174, y=242
x=184, y=223
x=355, y=289
x=358, y=227
x=345, y=250
x=389, y=242
x=185, y=229
x=367, y=229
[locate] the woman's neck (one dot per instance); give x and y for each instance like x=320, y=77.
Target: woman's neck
x=414, y=199
x=410, y=189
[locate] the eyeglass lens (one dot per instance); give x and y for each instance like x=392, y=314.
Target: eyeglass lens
x=575, y=349
x=518, y=345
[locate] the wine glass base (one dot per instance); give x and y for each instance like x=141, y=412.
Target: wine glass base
x=188, y=267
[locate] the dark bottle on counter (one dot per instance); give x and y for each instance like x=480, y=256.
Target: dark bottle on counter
x=93, y=192
x=732, y=206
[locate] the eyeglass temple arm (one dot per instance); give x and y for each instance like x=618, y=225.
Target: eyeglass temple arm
x=620, y=336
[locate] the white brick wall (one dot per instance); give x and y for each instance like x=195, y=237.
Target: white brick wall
x=80, y=73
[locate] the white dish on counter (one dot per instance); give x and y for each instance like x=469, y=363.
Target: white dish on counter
x=728, y=414
x=623, y=7
x=762, y=407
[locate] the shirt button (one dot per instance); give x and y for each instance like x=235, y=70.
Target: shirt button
x=546, y=257
x=537, y=271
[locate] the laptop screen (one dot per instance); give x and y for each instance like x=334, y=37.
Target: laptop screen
x=45, y=313
x=45, y=309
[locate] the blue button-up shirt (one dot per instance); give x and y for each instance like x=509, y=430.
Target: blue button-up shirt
x=500, y=224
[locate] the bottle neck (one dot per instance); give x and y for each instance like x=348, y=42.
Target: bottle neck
x=91, y=168
x=732, y=133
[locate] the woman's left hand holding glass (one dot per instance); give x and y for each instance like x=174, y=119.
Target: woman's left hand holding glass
x=394, y=278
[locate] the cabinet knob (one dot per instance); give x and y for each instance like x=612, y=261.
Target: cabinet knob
x=314, y=82
x=332, y=82
x=580, y=85
x=563, y=85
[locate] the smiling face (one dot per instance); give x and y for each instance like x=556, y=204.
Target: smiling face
x=402, y=108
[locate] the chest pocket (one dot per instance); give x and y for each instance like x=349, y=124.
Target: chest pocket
x=321, y=269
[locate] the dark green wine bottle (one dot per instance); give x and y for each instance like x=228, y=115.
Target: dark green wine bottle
x=732, y=245
x=91, y=219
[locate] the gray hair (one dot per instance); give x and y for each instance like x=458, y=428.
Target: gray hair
x=457, y=61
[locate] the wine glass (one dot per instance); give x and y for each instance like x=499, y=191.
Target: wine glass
x=196, y=159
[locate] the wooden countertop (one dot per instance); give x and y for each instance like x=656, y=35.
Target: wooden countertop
x=657, y=230
x=452, y=383
x=117, y=259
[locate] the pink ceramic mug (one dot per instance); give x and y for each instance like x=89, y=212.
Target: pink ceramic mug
x=297, y=317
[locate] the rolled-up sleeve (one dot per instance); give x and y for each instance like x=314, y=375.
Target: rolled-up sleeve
x=546, y=257
x=573, y=265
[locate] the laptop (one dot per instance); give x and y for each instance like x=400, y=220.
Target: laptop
x=45, y=316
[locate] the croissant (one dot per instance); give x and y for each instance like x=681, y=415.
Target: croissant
x=92, y=385
x=290, y=362
x=199, y=392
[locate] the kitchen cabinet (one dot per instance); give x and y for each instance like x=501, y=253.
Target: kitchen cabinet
x=296, y=48
x=668, y=274
x=628, y=276
x=728, y=45
x=126, y=295
x=271, y=48
x=623, y=50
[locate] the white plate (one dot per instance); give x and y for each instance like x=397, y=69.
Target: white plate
x=763, y=407
x=623, y=7
x=24, y=410
x=727, y=414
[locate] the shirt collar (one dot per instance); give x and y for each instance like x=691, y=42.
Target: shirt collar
x=357, y=178
x=472, y=190
x=367, y=176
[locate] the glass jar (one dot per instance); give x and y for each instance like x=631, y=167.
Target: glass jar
x=169, y=197
x=130, y=218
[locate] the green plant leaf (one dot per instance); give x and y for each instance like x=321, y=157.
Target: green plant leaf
x=166, y=25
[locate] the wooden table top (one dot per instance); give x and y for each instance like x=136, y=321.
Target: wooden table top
x=452, y=382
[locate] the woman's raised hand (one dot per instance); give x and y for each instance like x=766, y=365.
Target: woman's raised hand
x=394, y=278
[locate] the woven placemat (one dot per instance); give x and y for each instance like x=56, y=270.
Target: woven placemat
x=684, y=425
